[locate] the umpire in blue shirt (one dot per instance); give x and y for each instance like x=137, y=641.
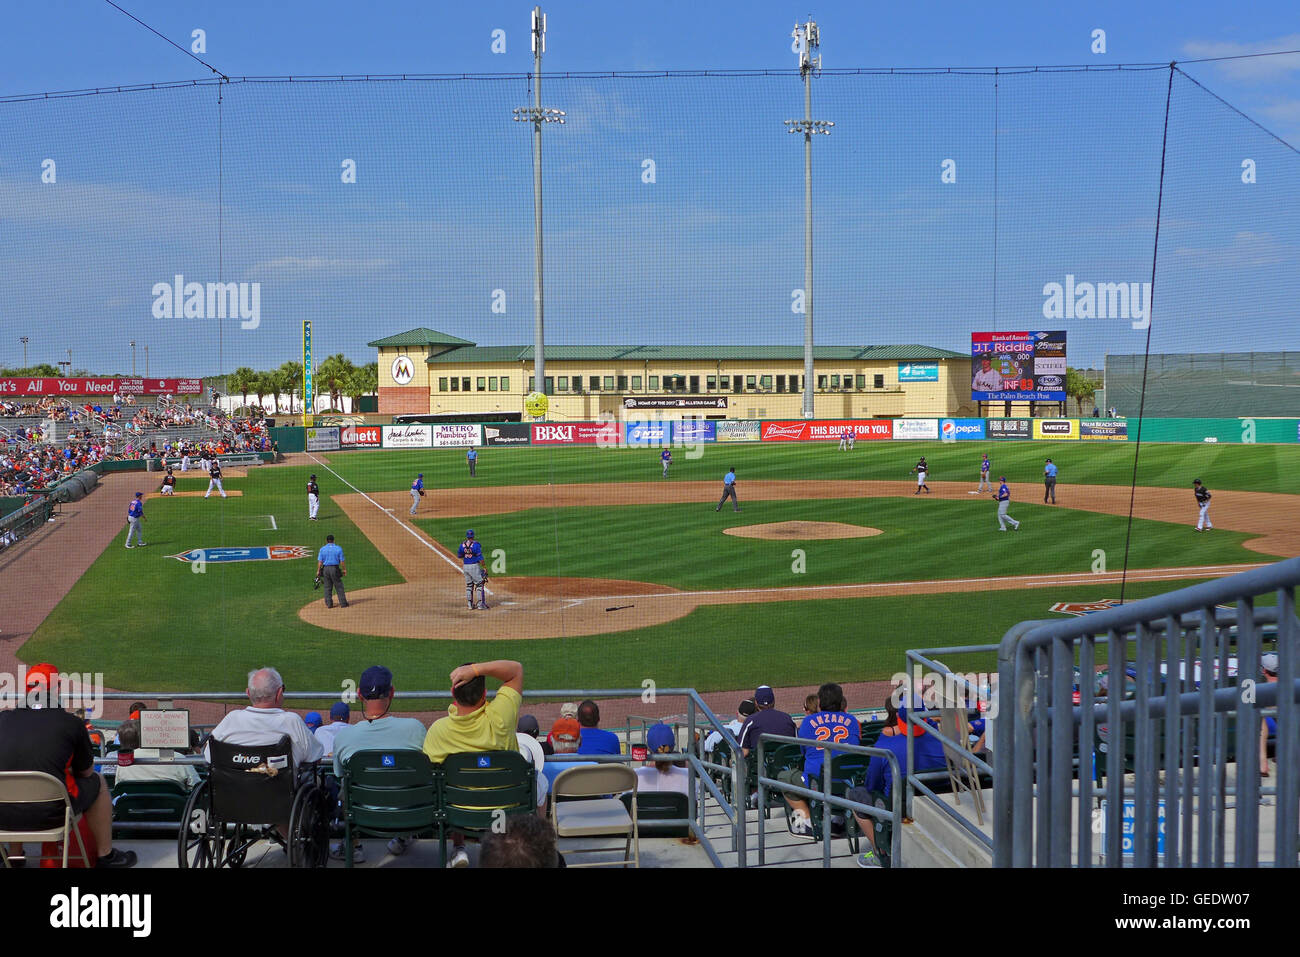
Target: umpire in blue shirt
x=331, y=568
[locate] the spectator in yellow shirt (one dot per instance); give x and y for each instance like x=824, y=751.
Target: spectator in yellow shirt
x=475, y=724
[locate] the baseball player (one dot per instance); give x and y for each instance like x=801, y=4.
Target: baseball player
x=169, y=483
x=134, y=516
x=1003, y=498
x=985, y=484
x=331, y=567
x=214, y=479
x=1203, y=502
x=920, y=469
x=417, y=491
x=729, y=490
x=1049, y=482
x=471, y=554
x=313, y=498
x=185, y=462
x=846, y=440
x=204, y=464
x=472, y=457
x=667, y=458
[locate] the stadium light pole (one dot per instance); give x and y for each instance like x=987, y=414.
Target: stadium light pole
x=24, y=340
x=132, y=358
x=537, y=116
x=809, y=40
x=146, y=362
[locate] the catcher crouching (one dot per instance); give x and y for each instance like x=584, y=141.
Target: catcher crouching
x=471, y=555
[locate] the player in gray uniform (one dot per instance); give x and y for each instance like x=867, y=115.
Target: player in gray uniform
x=214, y=478
x=134, y=516
x=985, y=484
x=470, y=553
x=920, y=469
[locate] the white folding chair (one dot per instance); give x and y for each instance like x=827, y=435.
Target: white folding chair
x=37, y=787
x=593, y=812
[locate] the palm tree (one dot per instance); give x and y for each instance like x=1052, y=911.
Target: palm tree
x=332, y=376
x=290, y=376
x=363, y=381
x=1079, y=387
x=241, y=381
x=258, y=386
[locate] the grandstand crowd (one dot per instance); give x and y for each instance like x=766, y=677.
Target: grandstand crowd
x=66, y=745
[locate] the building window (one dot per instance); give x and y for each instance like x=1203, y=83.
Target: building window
x=564, y=383
x=737, y=384
x=848, y=380
x=622, y=383
x=593, y=383
x=442, y=384
x=505, y=384
x=482, y=383
x=821, y=383
x=794, y=383
x=724, y=383
x=766, y=383
x=609, y=383
x=862, y=382
x=711, y=383
x=492, y=384
x=550, y=385
x=455, y=384
x=654, y=383
x=780, y=383
x=751, y=382
x=878, y=381
x=835, y=382
x=464, y=384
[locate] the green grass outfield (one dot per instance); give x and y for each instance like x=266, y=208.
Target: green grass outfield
x=149, y=623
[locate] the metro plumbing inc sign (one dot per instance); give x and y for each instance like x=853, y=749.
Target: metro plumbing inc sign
x=455, y=435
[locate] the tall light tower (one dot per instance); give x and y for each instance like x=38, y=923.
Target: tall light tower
x=146, y=362
x=24, y=340
x=537, y=116
x=808, y=41
x=132, y=358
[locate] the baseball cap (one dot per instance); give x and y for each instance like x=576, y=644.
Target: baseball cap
x=528, y=725
x=568, y=710
x=764, y=696
x=1002, y=478
x=1269, y=663
x=44, y=673
x=340, y=710
x=566, y=729
x=469, y=533
x=376, y=681
x=139, y=494
x=313, y=720
x=660, y=736
x=747, y=707
x=420, y=475
x=313, y=476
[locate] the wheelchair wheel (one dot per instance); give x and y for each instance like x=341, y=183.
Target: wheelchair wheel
x=309, y=828
x=199, y=842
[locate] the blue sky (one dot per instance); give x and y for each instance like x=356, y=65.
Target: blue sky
x=440, y=216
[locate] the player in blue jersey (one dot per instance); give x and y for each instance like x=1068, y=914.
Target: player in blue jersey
x=471, y=555
x=985, y=484
x=832, y=723
x=1003, y=498
x=667, y=458
x=134, y=516
x=417, y=491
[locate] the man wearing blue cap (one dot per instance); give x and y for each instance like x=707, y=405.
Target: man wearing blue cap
x=134, y=516
x=340, y=713
x=377, y=730
x=417, y=492
x=471, y=554
x=313, y=720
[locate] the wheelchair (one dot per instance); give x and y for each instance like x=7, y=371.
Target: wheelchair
x=247, y=787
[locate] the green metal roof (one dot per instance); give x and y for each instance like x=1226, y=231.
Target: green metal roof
x=473, y=354
x=419, y=337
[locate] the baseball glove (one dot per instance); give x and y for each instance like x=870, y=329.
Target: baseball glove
x=421, y=493
x=316, y=583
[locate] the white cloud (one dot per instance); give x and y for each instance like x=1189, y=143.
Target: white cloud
x=1247, y=250
x=1256, y=69
x=291, y=267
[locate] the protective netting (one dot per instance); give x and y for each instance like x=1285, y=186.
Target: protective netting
x=945, y=203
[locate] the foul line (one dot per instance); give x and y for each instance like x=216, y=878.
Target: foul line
x=274, y=527
x=414, y=534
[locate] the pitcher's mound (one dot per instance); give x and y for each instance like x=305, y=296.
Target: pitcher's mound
x=803, y=531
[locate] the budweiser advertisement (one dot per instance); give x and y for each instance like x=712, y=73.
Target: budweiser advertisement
x=37, y=387
x=576, y=433
x=826, y=430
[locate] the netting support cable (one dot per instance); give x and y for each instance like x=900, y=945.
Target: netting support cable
x=1146, y=352
x=189, y=53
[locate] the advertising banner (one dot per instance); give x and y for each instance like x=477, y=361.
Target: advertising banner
x=695, y=431
x=737, y=430
x=507, y=433
x=918, y=372
x=361, y=436
x=916, y=428
x=1056, y=428
x=323, y=440
x=960, y=430
x=577, y=433
x=407, y=436
x=1017, y=366
x=1116, y=430
x=1007, y=428
x=24, y=387
x=454, y=434
x=827, y=430
x=675, y=402
x=641, y=434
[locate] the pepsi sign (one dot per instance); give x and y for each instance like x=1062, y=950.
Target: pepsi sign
x=960, y=430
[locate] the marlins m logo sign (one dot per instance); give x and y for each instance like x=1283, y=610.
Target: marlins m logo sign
x=403, y=370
